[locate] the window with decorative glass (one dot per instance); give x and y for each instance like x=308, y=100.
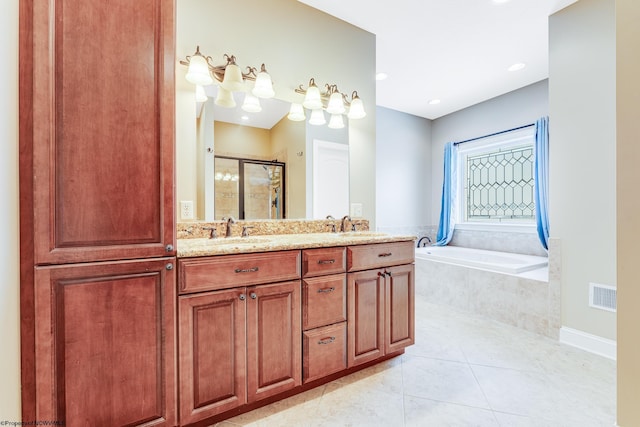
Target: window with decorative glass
x=496, y=178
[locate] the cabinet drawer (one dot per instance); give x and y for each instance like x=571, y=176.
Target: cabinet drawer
x=227, y=271
x=324, y=300
x=366, y=257
x=316, y=262
x=325, y=351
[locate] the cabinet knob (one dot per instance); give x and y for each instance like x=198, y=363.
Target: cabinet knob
x=169, y=248
x=242, y=297
x=253, y=295
x=169, y=266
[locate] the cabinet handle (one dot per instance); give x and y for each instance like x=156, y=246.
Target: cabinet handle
x=388, y=273
x=253, y=295
x=247, y=270
x=326, y=261
x=242, y=297
x=386, y=254
x=326, y=290
x=327, y=340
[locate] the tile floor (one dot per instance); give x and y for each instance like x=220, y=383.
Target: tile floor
x=463, y=371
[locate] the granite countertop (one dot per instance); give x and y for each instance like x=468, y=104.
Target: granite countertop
x=197, y=247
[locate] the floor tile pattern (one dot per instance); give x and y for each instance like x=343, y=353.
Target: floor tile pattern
x=463, y=371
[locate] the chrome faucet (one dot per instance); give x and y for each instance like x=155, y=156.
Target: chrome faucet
x=230, y=221
x=343, y=224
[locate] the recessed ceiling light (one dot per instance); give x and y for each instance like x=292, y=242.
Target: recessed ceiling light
x=433, y=101
x=517, y=66
x=500, y=1
x=381, y=76
x=245, y=117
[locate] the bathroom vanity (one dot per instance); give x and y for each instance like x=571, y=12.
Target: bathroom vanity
x=279, y=314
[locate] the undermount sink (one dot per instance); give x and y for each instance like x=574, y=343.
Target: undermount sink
x=250, y=240
x=361, y=234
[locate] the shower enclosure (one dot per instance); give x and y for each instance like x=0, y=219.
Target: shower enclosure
x=249, y=189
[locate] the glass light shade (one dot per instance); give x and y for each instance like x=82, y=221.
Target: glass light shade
x=198, y=72
x=336, y=106
x=201, y=96
x=312, y=99
x=225, y=98
x=251, y=104
x=317, y=117
x=296, y=113
x=233, y=78
x=263, y=87
x=336, y=121
x=356, y=111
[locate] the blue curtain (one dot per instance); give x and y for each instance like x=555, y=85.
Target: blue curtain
x=449, y=188
x=541, y=187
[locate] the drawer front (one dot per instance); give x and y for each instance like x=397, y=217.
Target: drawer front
x=316, y=262
x=366, y=257
x=324, y=300
x=227, y=271
x=325, y=351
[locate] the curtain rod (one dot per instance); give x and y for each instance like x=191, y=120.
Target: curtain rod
x=496, y=133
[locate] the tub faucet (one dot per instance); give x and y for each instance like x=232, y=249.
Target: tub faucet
x=343, y=224
x=230, y=221
x=427, y=238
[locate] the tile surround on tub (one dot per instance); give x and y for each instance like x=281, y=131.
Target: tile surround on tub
x=515, y=300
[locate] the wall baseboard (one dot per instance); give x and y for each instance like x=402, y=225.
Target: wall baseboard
x=588, y=342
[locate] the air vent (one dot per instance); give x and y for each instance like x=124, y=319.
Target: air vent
x=602, y=297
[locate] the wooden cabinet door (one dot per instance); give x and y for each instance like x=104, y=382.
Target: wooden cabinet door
x=366, y=316
x=106, y=341
x=97, y=128
x=212, y=353
x=399, y=308
x=274, y=348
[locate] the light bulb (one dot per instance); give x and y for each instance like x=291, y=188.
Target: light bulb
x=198, y=72
x=317, y=117
x=336, y=121
x=296, y=112
x=251, y=104
x=263, y=87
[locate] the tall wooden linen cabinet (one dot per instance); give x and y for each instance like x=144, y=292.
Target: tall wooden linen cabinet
x=97, y=211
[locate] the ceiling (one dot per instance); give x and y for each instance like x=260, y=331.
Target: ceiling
x=456, y=51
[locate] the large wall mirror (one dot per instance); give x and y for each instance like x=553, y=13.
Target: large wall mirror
x=345, y=57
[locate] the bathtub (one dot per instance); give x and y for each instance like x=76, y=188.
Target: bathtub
x=502, y=262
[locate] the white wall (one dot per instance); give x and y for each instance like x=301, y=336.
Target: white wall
x=582, y=148
x=517, y=108
x=403, y=171
x=9, y=224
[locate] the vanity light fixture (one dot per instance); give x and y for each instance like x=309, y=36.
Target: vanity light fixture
x=336, y=105
x=336, y=121
x=251, y=103
x=229, y=76
x=296, y=112
x=317, y=117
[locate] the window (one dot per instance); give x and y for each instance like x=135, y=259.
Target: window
x=496, y=179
